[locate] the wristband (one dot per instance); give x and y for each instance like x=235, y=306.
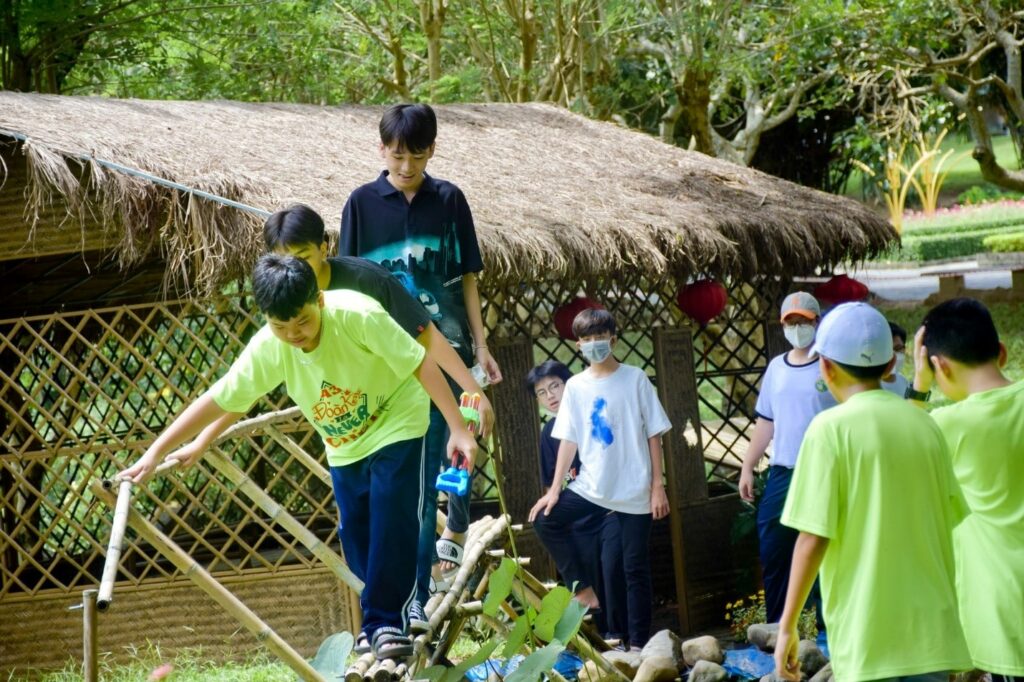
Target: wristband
x=913, y=394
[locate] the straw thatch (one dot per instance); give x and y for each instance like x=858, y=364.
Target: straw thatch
x=553, y=194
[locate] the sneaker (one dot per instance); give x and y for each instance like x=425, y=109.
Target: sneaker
x=418, y=622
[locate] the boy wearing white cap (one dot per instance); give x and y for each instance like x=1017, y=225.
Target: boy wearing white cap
x=792, y=393
x=875, y=500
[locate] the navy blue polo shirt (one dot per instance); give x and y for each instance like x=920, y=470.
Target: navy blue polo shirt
x=368, y=278
x=549, y=456
x=428, y=244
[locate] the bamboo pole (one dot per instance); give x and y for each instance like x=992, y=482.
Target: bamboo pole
x=280, y=515
x=385, y=670
x=360, y=667
x=220, y=594
x=89, y=663
x=124, y=498
x=304, y=458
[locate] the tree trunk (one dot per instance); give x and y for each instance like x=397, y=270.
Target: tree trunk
x=695, y=97
x=432, y=22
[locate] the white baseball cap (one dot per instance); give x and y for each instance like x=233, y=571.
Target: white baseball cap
x=854, y=334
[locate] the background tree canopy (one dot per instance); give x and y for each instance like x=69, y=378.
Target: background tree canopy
x=725, y=77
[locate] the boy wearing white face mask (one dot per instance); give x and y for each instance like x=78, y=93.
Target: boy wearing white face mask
x=895, y=382
x=610, y=413
x=792, y=393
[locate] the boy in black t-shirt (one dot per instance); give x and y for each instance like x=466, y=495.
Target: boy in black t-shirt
x=421, y=230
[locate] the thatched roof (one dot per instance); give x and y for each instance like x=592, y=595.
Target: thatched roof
x=553, y=193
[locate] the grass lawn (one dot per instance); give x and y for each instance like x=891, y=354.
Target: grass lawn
x=963, y=170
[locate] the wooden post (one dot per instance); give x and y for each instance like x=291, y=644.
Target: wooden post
x=518, y=432
x=684, y=462
x=89, y=667
x=220, y=594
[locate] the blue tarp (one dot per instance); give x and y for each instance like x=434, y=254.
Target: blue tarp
x=750, y=663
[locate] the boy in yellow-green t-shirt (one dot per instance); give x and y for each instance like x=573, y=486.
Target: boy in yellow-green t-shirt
x=363, y=383
x=875, y=500
x=958, y=349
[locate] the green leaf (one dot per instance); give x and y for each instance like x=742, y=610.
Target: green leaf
x=482, y=654
x=537, y=663
x=551, y=609
x=569, y=624
x=517, y=637
x=499, y=586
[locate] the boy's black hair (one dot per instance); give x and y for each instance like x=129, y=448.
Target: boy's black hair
x=898, y=331
x=962, y=330
x=593, y=321
x=550, y=368
x=864, y=373
x=412, y=126
x=282, y=285
x=292, y=226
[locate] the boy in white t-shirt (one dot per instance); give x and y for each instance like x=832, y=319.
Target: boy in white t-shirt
x=610, y=413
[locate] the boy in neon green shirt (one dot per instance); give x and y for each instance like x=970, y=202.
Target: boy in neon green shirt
x=958, y=349
x=363, y=383
x=875, y=500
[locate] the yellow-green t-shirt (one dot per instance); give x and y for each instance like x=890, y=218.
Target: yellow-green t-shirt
x=356, y=387
x=873, y=476
x=985, y=433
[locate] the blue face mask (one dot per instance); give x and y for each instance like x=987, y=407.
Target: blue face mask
x=597, y=350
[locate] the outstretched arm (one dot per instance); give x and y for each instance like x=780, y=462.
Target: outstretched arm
x=442, y=353
x=461, y=440
x=196, y=417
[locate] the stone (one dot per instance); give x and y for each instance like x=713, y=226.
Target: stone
x=771, y=677
x=763, y=635
x=626, y=662
x=704, y=648
x=823, y=675
x=665, y=644
x=590, y=672
x=810, y=657
x=706, y=671
x=657, y=669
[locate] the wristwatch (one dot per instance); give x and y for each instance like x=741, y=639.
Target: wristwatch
x=912, y=394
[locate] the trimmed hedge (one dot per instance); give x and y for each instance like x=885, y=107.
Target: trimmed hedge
x=975, y=225
x=948, y=244
x=1005, y=243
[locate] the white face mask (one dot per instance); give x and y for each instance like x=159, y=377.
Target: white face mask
x=898, y=365
x=596, y=351
x=799, y=336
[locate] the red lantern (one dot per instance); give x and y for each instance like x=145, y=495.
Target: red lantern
x=565, y=314
x=840, y=289
x=702, y=301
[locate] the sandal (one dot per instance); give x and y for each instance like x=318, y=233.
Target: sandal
x=391, y=643
x=450, y=551
x=362, y=645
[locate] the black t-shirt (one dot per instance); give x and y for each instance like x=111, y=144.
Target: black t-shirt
x=366, y=277
x=549, y=456
x=428, y=244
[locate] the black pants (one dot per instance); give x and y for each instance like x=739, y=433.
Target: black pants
x=557, y=532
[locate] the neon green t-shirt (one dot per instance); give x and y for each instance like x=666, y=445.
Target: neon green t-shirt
x=985, y=433
x=873, y=476
x=356, y=387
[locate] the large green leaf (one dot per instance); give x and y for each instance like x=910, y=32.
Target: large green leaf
x=499, y=586
x=517, y=637
x=569, y=624
x=537, y=663
x=551, y=609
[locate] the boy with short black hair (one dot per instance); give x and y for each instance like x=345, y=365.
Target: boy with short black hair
x=610, y=413
x=958, y=349
x=370, y=409
x=875, y=500
x=421, y=230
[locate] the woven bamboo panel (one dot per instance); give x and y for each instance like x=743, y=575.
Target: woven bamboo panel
x=82, y=395
x=303, y=606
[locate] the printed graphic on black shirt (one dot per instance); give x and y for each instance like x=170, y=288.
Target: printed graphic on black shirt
x=430, y=268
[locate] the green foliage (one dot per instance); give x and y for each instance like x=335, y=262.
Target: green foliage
x=537, y=663
x=499, y=586
x=984, y=194
x=743, y=613
x=440, y=673
x=964, y=225
x=954, y=245
x=1005, y=243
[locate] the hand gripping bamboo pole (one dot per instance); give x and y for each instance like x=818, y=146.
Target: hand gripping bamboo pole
x=220, y=594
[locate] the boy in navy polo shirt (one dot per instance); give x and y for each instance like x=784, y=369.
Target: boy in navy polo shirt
x=421, y=230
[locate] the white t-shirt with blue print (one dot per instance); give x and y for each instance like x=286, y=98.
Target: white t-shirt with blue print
x=790, y=397
x=610, y=419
